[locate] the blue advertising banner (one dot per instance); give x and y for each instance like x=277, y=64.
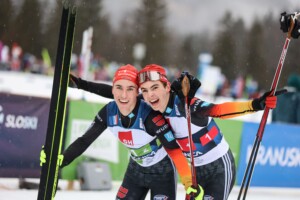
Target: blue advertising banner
x=23, y=125
x=278, y=158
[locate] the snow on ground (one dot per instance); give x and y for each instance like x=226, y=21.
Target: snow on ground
x=9, y=191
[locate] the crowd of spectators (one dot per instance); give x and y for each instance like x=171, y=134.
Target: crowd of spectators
x=15, y=59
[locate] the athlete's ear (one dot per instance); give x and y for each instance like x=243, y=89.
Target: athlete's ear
x=168, y=87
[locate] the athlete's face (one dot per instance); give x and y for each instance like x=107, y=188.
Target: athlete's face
x=156, y=94
x=125, y=94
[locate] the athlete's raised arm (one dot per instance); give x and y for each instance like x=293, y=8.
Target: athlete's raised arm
x=101, y=89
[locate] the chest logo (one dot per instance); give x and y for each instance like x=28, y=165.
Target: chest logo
x=126, y=137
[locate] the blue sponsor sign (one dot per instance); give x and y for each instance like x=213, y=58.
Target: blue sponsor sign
x=278, y=158
x=23, y=125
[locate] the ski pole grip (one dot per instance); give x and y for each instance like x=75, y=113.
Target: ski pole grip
x=185, y=84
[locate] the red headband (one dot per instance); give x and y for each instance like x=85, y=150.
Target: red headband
x=127, y=72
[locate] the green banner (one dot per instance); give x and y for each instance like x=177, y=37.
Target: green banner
x=232, y=131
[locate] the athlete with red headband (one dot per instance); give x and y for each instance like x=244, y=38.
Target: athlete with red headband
x=145, y=133
x=213, y=159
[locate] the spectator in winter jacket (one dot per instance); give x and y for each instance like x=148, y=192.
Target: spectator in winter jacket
x=288, y=104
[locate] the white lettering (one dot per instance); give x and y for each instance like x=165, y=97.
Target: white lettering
x=21, y=122
x=162, y=128
x=195, y=153
x=196, y=105
x=128, y=142
x=281, y=156
x=9, y=121
x=207, y=136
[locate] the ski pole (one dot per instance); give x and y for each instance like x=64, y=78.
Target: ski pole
x=185, y=90
x=251, y=163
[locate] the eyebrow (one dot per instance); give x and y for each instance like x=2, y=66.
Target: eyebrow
x=154, y=85
x=134, y=87
x=131, y=86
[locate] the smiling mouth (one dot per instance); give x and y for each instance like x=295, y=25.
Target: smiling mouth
x=123, y=101
x=154, y=102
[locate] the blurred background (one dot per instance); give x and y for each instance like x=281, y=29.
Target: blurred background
x=232, y=46
x=241, y=38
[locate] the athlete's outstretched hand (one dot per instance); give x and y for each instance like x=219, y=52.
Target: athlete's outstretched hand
x=285, y=22
x=267, y=100
x=197, y=193
x=194, y=86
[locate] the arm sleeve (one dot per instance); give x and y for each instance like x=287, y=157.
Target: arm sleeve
x=83, y=142
x=224, y=110
x=181, y=165
x=156, y=124
x=101, y=89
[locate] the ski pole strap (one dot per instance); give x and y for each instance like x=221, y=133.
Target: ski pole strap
x=292, y=24
x=185, y=84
